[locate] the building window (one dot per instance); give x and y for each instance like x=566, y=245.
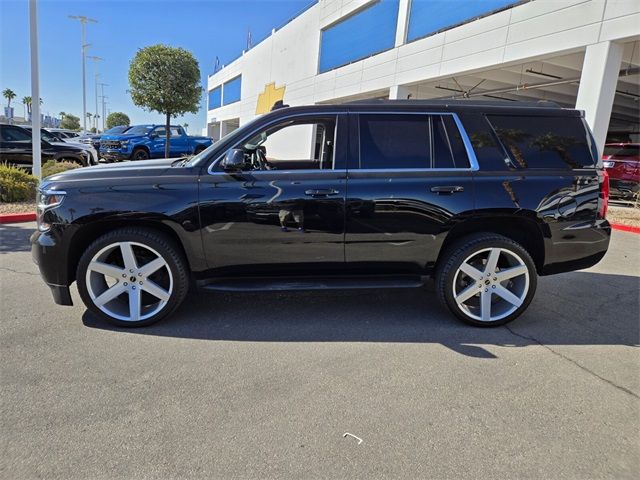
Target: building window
x=215, y=98
x=231, y=91
x=427, y=18
x=366, y=33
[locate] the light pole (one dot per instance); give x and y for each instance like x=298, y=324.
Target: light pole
x=35, y=90
x=83, y=22
x=102, y=85
x=97, y=75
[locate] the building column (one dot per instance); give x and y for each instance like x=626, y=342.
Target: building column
x=597, y=90
x=399, y=92
x=403, y=22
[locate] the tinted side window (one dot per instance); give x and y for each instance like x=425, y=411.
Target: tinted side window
x=544, y=142
x=448, y=148
x=394, y=141
x=10, y=134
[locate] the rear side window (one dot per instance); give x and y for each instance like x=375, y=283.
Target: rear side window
x=544, y=142
x=410, y=141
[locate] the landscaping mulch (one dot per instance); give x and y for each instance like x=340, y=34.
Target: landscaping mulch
x=624, y=215
x=17, y=207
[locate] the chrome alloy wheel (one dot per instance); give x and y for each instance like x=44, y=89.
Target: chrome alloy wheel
x=491, y=284
x=129, y=281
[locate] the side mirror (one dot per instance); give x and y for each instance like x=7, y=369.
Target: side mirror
x=233, y=160
x=153, y=135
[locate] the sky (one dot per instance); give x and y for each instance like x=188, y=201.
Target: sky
x=207, y=28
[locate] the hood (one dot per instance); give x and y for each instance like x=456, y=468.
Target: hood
x=120, y=136
x=117, y=171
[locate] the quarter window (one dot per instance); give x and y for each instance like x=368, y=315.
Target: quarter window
x=544, y=142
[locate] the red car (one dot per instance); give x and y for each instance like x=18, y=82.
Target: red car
x=622, y=161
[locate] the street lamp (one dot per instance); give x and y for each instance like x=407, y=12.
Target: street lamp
x=83, y=46
x=35, y=90
x=102, y=85
x=97, y=75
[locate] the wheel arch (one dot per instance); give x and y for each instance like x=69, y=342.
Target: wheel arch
x=92, y=231
x=141, y=147
x=523, y=228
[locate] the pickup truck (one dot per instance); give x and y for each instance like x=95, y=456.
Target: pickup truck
x=142, y=142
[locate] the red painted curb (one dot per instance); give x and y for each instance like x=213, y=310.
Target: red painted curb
x=625, y=228
x=17, y=217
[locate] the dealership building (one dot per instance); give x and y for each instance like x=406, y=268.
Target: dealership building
x=576, y=53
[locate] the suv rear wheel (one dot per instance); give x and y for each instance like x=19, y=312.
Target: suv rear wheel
x=486, y=279
x=132, y=277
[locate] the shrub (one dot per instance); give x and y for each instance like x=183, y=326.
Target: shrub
x=52, y=167
x=16, y=185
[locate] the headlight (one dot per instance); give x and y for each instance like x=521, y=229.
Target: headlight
x=124, y=142
x=47, y=200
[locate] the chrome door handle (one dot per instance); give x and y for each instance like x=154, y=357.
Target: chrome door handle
x=321, y=192
x=447, y=189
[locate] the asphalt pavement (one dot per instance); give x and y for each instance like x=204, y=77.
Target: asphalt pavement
x=266, y=385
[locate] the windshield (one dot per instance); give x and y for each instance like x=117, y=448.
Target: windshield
x=139, y=130
x=48, y=136
x=118, y=129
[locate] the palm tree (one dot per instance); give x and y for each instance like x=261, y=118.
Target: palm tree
x=62, y=115
x=27, y=103
x=9, y=95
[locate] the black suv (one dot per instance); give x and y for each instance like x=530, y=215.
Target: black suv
x=16, y=149
x=482, y=196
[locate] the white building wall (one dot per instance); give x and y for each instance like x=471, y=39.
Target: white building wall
x=534, y=30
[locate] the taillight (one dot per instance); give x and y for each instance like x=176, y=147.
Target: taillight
x=604, y=195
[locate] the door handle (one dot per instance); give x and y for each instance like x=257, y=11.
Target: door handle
x=447, y=189
x=321, y=192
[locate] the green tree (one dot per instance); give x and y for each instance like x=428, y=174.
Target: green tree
x=166, y=80
x=115, y=119
x=70, y=122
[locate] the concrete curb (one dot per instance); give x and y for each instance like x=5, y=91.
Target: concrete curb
x=625, y=228
x=17, y=217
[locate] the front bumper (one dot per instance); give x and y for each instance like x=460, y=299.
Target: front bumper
x=49, y=254
x=114, y=155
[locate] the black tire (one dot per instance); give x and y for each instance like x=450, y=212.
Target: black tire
x=157, y=241
x=466, y=248
x=140, y=154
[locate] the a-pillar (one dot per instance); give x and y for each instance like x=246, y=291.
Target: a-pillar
x=597, y=90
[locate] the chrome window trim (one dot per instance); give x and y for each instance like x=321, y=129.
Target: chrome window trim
x=473, y=161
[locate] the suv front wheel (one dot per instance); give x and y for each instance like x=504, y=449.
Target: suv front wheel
x=486, y=279
x=132, y=277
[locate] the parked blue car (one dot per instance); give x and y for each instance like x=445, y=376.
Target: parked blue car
x=141, y=142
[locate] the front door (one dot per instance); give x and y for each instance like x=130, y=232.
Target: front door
x=409, y=181
x=284, y=212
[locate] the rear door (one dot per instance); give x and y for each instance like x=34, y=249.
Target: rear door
x=410, y=179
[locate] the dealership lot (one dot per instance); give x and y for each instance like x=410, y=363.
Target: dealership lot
x=266, y=385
